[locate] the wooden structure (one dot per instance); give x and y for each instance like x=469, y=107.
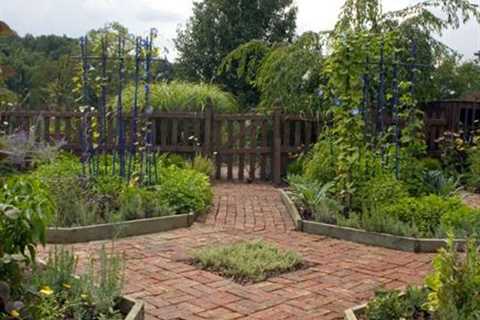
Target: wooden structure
x=244, y=147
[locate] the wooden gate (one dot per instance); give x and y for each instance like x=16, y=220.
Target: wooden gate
x=244, y=147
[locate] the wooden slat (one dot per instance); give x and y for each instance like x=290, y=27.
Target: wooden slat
x=298, y=133
x=231, y=146
x=253, y=146
x=174, y=132
x=68, y=130
x=218, y=144
x=163, y=131
x=308, y=134
x=241, y=156
x=58, y=128
x=263, y=161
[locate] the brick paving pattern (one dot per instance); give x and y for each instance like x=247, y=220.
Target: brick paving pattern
x=341, y=274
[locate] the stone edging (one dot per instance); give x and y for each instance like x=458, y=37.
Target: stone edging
x=389, y=241
x=118, y=230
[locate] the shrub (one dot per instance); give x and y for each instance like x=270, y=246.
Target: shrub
x=435, y=182
x=184, y=190
x=424, y=212
x=381, y=190
x=454, y=284
x=203, y=165
x=25, y=211
x=473, y=173
x=315, y=199
x=321, y=164
x=167, y=160
x=247, y=261
x=463, y=222
x=183, y=96
x=394, y=305
x=141, y=203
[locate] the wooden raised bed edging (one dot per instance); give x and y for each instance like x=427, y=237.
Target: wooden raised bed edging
x=119, y=229
x=409, y=244
x=352, y=313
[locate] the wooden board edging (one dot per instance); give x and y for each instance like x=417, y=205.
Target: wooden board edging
x=408, y=244
x=118, y=230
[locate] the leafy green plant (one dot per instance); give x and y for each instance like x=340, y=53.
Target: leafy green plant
x=380, y=190
x=473, y=173
x=463, y=222
x=424, y=212
x=454, y=284
x=435, y=182
x=184, y=190
x=141, y=203
x=315, y=199
x=395, y=306
x=203, y=165
x=247, y=261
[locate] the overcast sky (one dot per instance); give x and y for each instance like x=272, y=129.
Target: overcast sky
x=75, y=17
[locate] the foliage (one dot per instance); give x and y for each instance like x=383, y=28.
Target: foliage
x=25, y=211
x=24, y=151
x=184, y=190
x=219, y=26
x=240, y=68
x=381, y=190
x=394, y=305
x=252, y=261
x=85, y=200
x=423, y=212
x=321, y=161
x=62, y=295
x=203, y=165
x=291, y=74
x=473, y=173
x=184, y=96
x=436, y=182
x=454, y=284
x=315, y=199
x=463, y=222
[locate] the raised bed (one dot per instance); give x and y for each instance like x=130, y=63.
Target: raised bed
x=119, y=229
x=131, y=309
x=389, y=241
x=355, y=313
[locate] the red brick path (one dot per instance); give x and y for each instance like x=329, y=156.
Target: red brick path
x=342, y=274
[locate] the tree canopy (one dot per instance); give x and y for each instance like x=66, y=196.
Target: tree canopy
x=219, y=26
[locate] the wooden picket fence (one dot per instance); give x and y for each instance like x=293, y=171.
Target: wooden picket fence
x=244, y=147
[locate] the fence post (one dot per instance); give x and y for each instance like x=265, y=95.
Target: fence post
x=207, y=146
x=277, y=147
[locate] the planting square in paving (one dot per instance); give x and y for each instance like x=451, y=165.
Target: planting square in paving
x=247, y=261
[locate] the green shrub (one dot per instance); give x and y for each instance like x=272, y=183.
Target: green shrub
x=424, y=212
x=455, y=284
x=141, y=203
x=463, y=222
x=171, y=159
x=321, y=165
x=436, y=182
x=203, y=165
x=182, y=96
x=381, y=190
x=395, y=306
x=184, y=190
x=314, y=199
x=473, y=173
x=247, y=261
x=25, y=211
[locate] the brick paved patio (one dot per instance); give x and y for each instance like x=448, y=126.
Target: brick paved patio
x=342, y=274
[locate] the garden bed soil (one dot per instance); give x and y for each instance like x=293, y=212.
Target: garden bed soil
x=118, y=230
x=408, y=244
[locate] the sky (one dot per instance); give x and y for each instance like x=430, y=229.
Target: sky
x=75, y=17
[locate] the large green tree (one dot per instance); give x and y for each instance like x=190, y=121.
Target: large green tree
x=219, y=26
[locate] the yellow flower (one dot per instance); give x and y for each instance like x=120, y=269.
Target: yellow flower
x=47, y=291
x=15, y=313
x=84, y=296
x=67, y=286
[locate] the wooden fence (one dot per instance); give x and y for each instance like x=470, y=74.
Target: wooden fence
x=244, y=147
x=453, y=116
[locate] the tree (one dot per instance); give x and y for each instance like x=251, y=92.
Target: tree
x=217, y=27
